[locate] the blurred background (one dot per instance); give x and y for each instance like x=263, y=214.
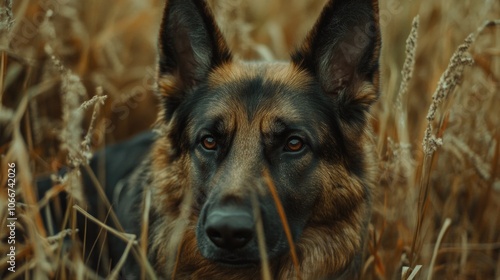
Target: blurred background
x=59, y=54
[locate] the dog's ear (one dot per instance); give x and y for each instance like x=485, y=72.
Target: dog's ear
x=190, y=46
x=342, y=52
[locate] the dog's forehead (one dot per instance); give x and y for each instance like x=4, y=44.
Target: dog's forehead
x=258, y=93
x=280, y=72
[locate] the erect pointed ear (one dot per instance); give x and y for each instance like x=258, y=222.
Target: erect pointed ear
x=342, y=51
x=190, y=46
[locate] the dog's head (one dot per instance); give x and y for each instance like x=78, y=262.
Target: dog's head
x=238, y=131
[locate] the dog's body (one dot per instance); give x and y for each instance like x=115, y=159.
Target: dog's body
x=233, y=132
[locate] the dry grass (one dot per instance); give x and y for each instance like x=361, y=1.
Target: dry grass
x=437, y=205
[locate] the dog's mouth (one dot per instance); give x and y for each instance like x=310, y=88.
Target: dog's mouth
x=237, y=263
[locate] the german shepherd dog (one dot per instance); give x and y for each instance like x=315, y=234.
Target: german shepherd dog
x=228, y=124
x=257, y=167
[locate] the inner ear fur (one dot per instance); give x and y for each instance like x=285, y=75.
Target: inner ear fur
x=190, y=46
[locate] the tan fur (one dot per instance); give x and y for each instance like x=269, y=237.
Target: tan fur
x=276, y=71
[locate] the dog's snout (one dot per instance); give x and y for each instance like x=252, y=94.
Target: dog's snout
x=229, y=228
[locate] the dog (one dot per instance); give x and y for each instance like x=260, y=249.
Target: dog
x=257, y=168
x=227, y=124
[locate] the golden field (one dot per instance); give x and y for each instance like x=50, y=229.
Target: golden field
x=78, y=75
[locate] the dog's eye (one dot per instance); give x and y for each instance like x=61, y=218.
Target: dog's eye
x=294, y=144
x=209, y=143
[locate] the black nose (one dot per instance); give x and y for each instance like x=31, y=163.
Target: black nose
x=229, y=228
